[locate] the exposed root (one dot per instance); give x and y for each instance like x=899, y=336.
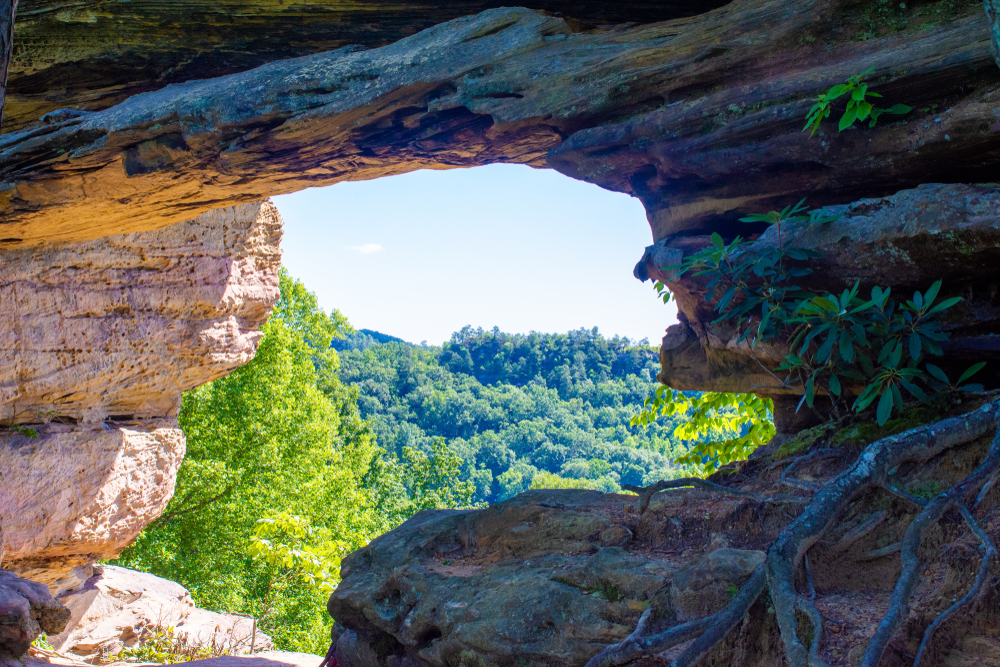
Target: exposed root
x=646, y=492
x=818, y=455
x=989, y=556
x=859, y=532
x=884, y=551
x=724, y=621
x=956, y=496
x=871, y=470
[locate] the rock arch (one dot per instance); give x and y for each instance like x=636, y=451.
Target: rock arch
x=700, y=117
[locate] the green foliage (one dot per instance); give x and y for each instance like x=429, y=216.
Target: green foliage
x=514, y=406
x=42, y=642
x=833, y=338
x=744, y=422
x=858, y=107
x=282, y=478
x=164, y=646
x=548, y=480
x=290, y=543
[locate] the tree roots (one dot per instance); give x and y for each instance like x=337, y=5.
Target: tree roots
x=870, y=471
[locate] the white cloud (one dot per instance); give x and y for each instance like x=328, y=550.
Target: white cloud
x=366, y=249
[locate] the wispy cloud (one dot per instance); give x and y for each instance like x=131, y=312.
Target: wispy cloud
x=366, y=249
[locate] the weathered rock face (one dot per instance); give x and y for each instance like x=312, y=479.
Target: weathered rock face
x=699, y=129
x=78, y=494
x=907, y=241
x=97, y=342
x=705, y=586
x=93, y=54
x=26, y=610
x=548, y=577
x=531, y=579
x=121, y=326
x=117, y=607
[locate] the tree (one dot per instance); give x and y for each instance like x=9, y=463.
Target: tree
x=279, y=461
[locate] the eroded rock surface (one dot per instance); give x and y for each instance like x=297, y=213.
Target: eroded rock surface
x=26, y=610
x=74, y=495
x=907, y=241
x=93, y=54
x=530, y=579
x=699, y=117
x=121, y=326
x=117, y=608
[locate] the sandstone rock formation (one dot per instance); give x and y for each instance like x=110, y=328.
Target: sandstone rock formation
x=78, y=494
x=94, y=54
x=97, y=342
x=121, y=326
x=26, y=609
x=526, y=578
x=669, y=112
x=116, y=608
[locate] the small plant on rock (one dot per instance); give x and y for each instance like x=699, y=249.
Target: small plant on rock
x=858, y=107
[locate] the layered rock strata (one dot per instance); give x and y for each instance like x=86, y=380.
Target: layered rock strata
x=98, y=340
x=119, y=327
x=74, y=495
x=907, y=241
x=699, y=117
x=94, y=54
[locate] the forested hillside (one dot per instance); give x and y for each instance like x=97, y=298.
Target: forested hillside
x=520, y=410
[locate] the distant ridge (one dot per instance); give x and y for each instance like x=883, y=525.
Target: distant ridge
x=362, y=339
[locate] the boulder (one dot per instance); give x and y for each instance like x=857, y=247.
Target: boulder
x=525, y=578
x=117, y=608
x=73, y=495
x=26, y=610
x=708, y=584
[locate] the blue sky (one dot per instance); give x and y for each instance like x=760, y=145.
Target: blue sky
x=421, y=255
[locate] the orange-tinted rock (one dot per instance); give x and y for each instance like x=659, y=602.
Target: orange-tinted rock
x=120, y=326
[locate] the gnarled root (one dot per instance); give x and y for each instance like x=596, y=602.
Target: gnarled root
x=871, y=470
x=646, y=492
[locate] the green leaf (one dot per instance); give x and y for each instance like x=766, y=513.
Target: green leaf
x=937, y=373
x=898, y=109
x=863, y=110
x=847, y=119
x=834, y=385
x=846, y=347
x=884, y=408
x=837, y=91
x=915, y=346
x=717, y=241
x=970, y=371
x=932, y=293
x=944, y=305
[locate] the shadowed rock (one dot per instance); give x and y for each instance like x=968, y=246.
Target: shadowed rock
x=700, y=118
x=92, y=54
x=907, y=241
x=26, y=610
